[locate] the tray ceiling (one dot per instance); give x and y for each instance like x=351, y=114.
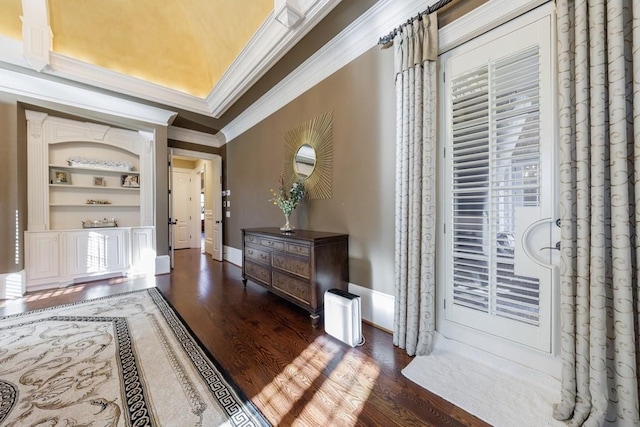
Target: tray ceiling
x=199, y=55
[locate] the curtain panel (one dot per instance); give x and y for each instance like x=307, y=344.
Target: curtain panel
x=599, y=111
x=415, y=53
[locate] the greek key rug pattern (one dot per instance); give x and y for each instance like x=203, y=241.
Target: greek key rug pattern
x=121, y=360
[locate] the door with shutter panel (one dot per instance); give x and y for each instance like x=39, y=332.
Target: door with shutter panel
x=499, y=199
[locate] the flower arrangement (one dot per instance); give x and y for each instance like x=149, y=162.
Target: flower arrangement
x=287, y=200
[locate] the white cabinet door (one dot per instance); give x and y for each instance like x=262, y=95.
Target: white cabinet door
x=96, y=252
x=143, y=258
x=43, y=256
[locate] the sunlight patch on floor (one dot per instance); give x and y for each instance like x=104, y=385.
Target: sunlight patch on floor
x=338, y=400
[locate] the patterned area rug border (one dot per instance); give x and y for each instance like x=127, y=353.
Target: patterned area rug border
x=238, y=407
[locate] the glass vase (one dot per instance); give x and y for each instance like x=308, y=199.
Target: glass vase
x=287, y=227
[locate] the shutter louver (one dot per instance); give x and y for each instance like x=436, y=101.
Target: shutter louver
x=495, y=167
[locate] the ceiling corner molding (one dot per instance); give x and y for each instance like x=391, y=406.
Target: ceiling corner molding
x=288, y=12
x=39, y=88
x=36, y=33
x=266, y=47
x=93, y=75
x=187, y=135
x=353, y=41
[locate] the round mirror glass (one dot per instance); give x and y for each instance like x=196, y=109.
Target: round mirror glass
x=304, y=162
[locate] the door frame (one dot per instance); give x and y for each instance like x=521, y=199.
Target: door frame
x=541, y=361
x=216, y=196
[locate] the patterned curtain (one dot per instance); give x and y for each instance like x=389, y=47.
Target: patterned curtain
x=599, y=71
x=415, y=55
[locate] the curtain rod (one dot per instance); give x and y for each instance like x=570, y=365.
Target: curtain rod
x=386, y=40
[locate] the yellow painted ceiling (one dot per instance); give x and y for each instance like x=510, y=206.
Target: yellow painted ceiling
x=10, y=23
x=186, y=45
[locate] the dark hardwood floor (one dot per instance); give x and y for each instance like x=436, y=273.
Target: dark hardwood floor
x=295, y=374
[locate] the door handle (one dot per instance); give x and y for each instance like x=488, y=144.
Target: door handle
x=553, y=248
x=173, y=222
x=218, y=222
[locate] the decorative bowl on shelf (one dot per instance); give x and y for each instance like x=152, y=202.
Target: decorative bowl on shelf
x=100, y=223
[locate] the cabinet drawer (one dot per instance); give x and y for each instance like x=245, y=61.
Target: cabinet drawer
x=292, y=265
x=294, y=248
x=258, y=272
x=256, y=255
x=272, y=244
x=251, y=239
x=298, y=289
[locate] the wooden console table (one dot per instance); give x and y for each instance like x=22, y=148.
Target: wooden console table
x=299, y=266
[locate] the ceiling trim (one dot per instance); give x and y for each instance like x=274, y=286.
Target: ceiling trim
x=270, y=43
x=60, y=93
x=195, y=137
x=73, y=69
x=353, y=41
x=362, y=35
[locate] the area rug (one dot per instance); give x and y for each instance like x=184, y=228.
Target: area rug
x=495, y=390
x=124, y=360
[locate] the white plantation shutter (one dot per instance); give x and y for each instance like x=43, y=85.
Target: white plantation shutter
x=495, y=165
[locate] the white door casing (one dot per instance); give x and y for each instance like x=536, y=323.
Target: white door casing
x=216, y=219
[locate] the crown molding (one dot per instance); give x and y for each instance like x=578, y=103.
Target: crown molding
x=47, y=90
x=73, y=69
x=355, y=40
x=362, y=35
x=187, y=135
x=270, y=43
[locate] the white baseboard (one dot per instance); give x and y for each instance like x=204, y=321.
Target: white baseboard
x=377, y=308
x=233, y=255
x=13, y=285
x=163, y=264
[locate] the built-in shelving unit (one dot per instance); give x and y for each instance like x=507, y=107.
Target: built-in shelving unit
x=64, y=194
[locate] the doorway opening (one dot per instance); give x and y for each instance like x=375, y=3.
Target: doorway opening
x=195, y=200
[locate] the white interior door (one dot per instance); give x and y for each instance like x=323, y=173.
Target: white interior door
x=499, y=189
x=181, y=192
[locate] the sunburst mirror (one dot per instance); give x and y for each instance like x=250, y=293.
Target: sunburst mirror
x=308, y=156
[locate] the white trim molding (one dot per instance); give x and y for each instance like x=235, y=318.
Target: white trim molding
x=362, y=35
x=163, y=264
x=376, y=308
x=47, y=90
x=270, y=43
x=13, y=285
x=266, y=47
x=36, y=33
x=358, y=38
x=233, y=255
x=187, y=135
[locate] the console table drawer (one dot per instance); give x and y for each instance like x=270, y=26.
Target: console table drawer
x=272, y=244
x=257, y=255
x=296, y=288
x=258, y=272
x=294, y=248
x=252, y=239
x=292, y=265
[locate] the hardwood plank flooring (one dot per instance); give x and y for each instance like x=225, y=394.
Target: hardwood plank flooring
x=295, y=374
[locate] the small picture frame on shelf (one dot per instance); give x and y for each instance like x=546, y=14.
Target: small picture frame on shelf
x=130, y=181
x=60, y=176
x=99, y=181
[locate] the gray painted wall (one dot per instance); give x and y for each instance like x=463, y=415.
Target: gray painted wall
x=362, y=98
